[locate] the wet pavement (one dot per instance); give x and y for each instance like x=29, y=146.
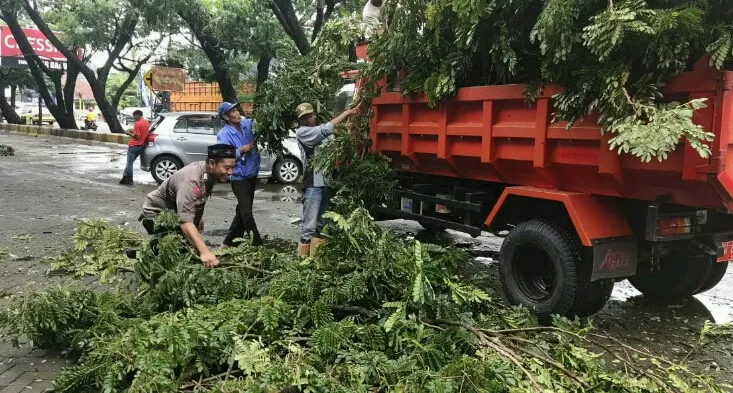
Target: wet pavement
x=51, y=183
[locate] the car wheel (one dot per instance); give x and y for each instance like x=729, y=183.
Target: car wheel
x=287, y=170
x=164, y=167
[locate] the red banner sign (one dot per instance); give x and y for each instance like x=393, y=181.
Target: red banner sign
x=39, y=43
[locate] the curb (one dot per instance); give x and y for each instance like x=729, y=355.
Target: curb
x=74, y=134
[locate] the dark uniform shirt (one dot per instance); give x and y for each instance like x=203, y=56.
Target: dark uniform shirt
x=185, y=193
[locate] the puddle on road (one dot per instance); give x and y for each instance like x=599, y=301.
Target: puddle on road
x=280, y=192
x=706, y=305
x=267, y=191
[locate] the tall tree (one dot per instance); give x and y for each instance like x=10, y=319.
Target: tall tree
x=197, y=18
x=60, y=104
x=117, y=34
x=248, y=28
x=121, y=93
x=235, y=37
x=313, y=15
x=98, y=29
x=14, y=78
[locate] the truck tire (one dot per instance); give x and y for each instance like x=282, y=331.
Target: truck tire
x=538, y=268
x=431, y=228
x=716, y=273
x=680, y=276
x=599, y=292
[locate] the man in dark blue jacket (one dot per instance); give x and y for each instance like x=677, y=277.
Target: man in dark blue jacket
x=238, y=133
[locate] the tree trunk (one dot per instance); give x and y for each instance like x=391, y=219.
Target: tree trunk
x=218, y=62
x=108, y=111
x=13, y=93
x=197, y=21
x=96, y=81
x=7, y=110
x=132, y=74
x=72, y=74
x=63, y=115
x=38, y=69
x=285, y=13
x=263, y=70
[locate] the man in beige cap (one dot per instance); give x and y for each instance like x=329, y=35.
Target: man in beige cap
x=316, y=191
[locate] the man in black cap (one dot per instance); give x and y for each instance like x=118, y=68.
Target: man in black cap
x=186, y=193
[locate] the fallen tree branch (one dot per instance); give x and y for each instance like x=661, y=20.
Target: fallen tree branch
x=244, y=266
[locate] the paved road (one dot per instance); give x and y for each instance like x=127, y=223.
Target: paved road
x=49, y=186
x=52, y=183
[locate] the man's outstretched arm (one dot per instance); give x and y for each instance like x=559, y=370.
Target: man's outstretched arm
x=191, y=233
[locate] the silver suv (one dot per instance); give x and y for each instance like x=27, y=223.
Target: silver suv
x=179, y=138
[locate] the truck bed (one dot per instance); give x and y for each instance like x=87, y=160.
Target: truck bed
x=491, y=133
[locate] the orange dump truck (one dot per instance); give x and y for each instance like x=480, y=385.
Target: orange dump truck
x=576, y=216
x=205, y=96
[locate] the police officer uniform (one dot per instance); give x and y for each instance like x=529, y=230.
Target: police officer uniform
x=185, y=192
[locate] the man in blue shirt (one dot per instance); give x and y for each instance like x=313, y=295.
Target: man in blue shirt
x=237, y=132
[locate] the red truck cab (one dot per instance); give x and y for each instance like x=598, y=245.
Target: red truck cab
x=576, y=215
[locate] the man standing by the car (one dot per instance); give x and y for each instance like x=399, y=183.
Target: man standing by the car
x=237, y=132
x=316, y=192
x=136, y=144
x=186, y=192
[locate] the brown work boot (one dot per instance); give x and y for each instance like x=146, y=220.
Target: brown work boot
x=303, y=250
x=315, y=243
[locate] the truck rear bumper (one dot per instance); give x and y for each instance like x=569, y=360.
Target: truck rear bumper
x=724, y=246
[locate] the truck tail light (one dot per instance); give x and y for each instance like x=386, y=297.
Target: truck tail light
x=674, y=226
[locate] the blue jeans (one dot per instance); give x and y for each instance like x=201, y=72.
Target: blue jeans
x=316, y=200
x=132, y=153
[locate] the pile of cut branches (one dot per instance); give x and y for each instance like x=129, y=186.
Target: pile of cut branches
x=98, y=246
x=371, y=312
x=6, y=150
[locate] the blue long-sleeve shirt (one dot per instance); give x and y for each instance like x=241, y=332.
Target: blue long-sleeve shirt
x=247, y=166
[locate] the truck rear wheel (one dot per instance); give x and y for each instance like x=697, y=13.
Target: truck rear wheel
x=680, y=275
x=716, y=273
x=431, y=228
x=597, y=296
x=538, y=268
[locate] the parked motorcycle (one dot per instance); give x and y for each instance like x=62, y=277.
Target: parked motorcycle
x=90, y=125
